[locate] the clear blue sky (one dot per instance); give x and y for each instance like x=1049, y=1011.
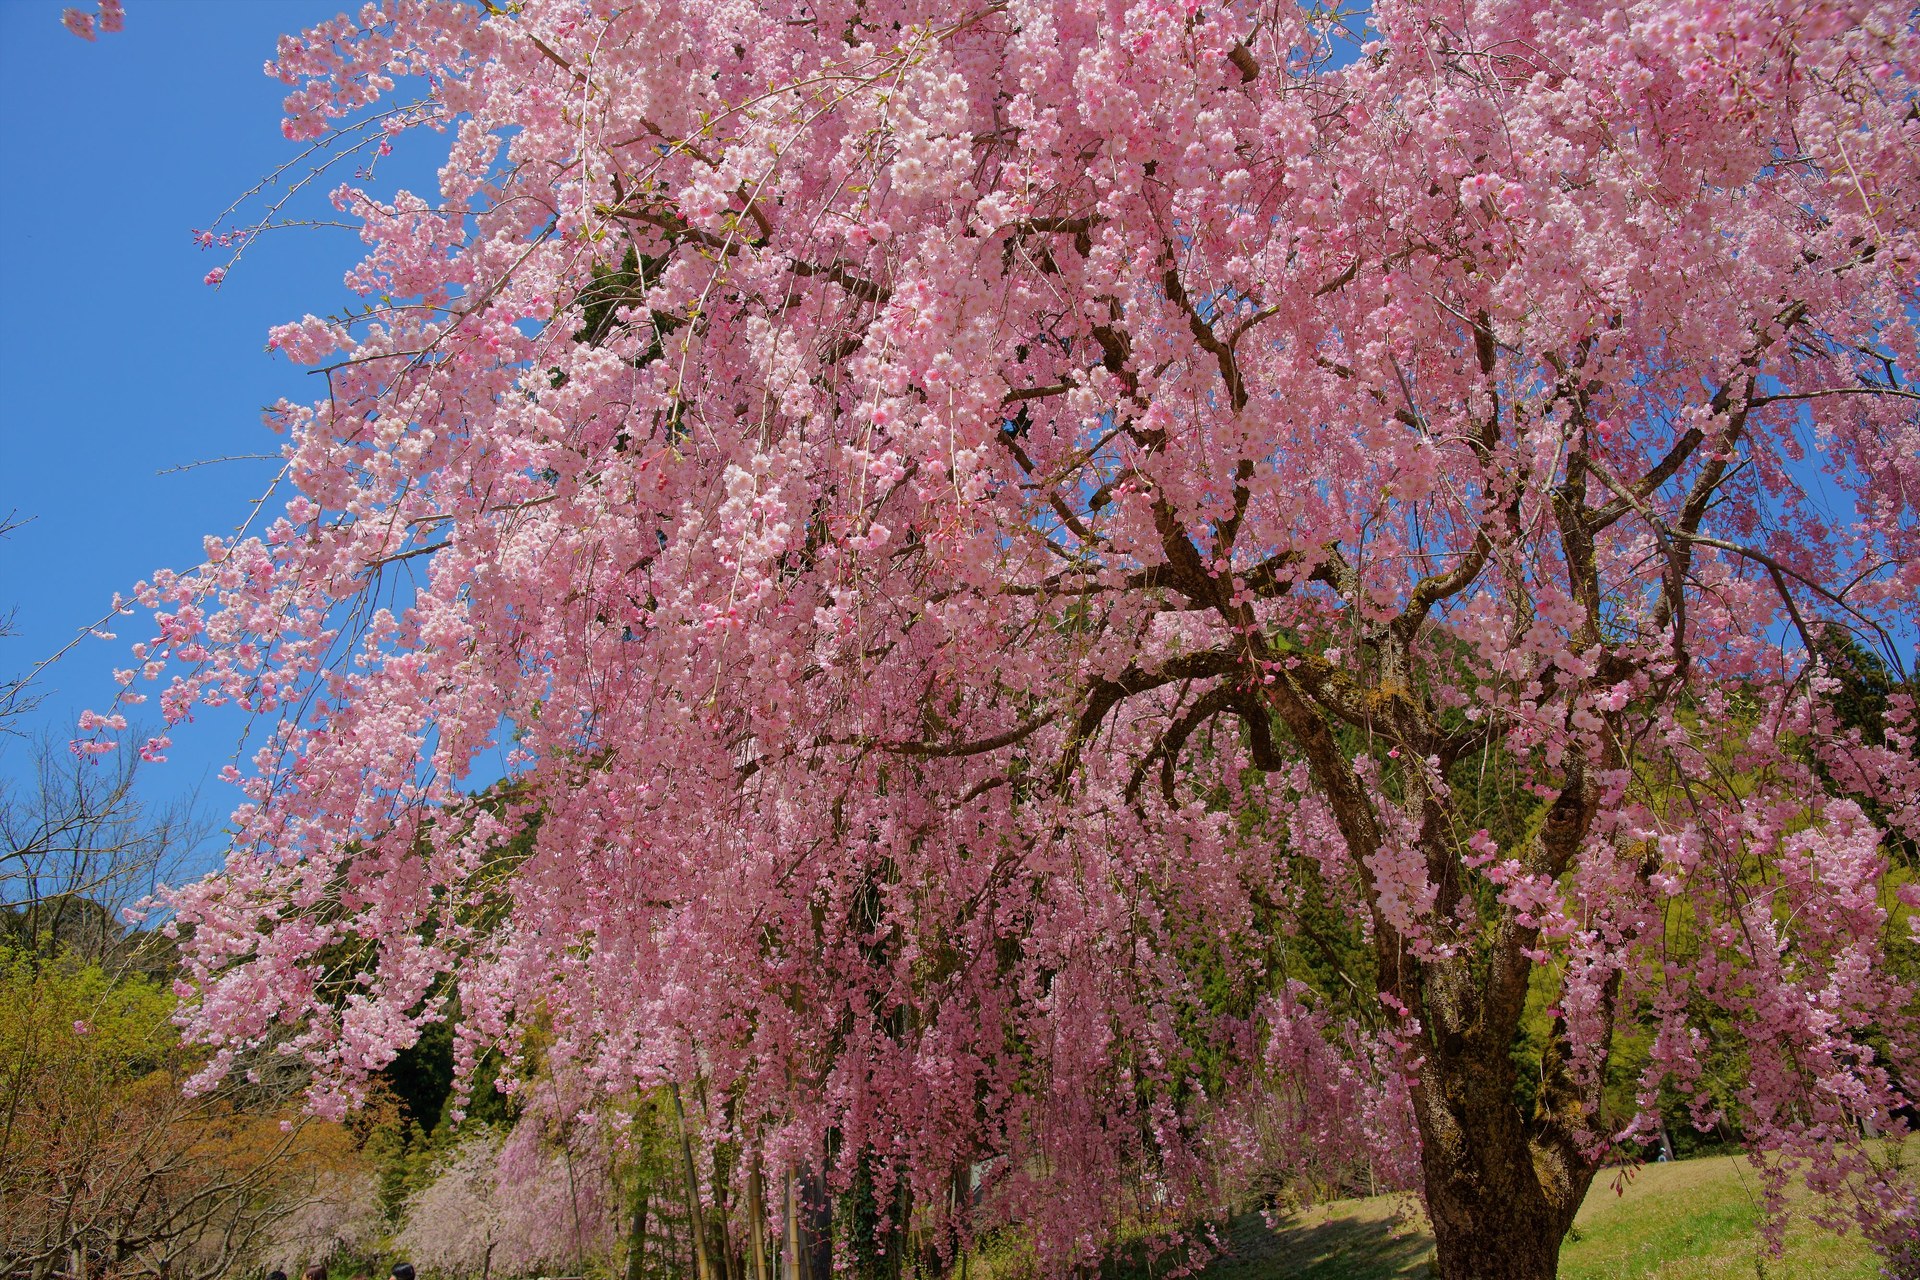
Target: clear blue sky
x=119, y=362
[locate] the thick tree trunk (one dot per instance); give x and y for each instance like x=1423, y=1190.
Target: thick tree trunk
x=1501, y=1192
x=1502, y=1187
x=817, y=1224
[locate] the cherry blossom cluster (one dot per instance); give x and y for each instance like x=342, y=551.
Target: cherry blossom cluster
x=974, y=534
x=111, y=17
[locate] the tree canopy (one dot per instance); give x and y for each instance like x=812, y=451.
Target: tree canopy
x=997, y=542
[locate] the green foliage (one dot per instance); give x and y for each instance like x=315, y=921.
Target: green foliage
x=406, y=1158
x=103, y=1156
x=421, y=1080
x=874, y=1229
x=1860, y=701
x=93, y=1026
x=614, y=289
x=74, y=928
x=1865, y=682
x=1320, y=942
x=657, y=1232
x=421, y=1077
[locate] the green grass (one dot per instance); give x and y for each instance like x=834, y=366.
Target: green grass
x=1693, y=1220
x=1699, y=1220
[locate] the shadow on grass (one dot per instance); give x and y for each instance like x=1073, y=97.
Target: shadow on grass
x=1376, y=1244
x=1383, y=1248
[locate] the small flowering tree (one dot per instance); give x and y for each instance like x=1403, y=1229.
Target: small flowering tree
x=453, y=1222
x=339, y=1213
x=508, y=1204
x=955, y=514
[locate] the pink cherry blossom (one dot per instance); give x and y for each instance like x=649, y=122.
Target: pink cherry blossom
x=977, y=535
x=111, y=17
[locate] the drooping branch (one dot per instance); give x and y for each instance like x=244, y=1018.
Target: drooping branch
x=678, y=228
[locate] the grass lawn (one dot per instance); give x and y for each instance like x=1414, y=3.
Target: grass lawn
x=1698, y=1219
x=1694, y=1220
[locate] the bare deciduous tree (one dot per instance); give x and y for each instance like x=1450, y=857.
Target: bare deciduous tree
x=79, y=844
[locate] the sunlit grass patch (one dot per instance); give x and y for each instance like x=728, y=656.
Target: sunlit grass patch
x=1691, y=1220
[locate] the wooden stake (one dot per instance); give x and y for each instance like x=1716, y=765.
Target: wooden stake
x=757, y=1221
x=796, y=1256
x=702, y=1265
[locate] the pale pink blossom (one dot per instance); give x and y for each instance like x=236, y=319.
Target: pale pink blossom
x=957, y=527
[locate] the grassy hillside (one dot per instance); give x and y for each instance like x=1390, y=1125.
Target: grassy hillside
x=1695, y=1220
